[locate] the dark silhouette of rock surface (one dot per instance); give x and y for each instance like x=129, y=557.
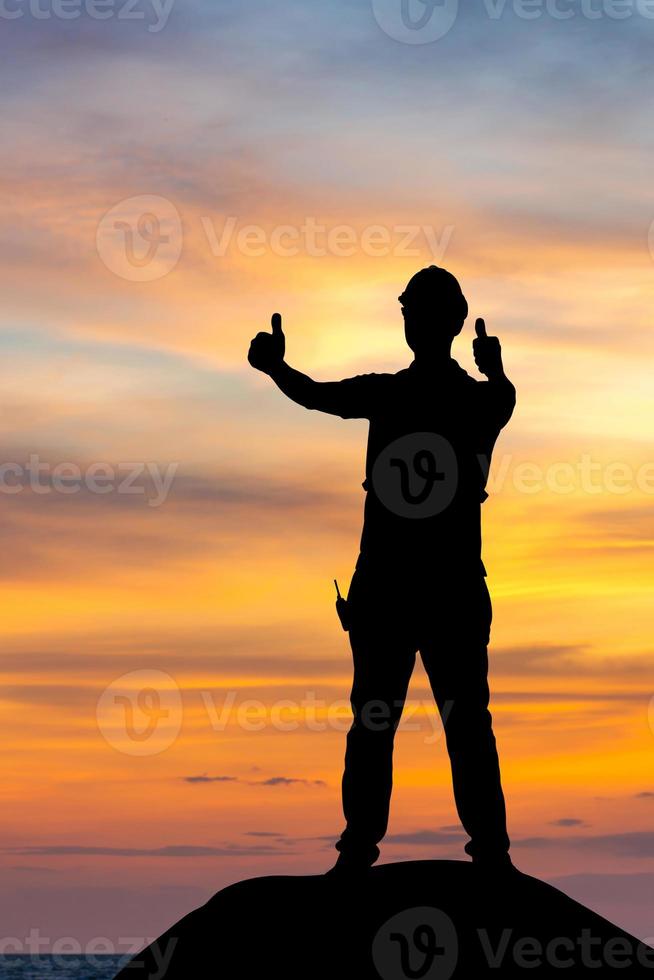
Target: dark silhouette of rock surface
x=424, y=920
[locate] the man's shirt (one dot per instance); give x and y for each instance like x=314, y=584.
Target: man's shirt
x=431, y=436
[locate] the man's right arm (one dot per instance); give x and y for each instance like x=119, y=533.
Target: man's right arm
x=321, y=395
x=345, y=398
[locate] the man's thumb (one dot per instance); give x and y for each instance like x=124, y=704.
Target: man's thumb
x=480, y=328
x=276, y=323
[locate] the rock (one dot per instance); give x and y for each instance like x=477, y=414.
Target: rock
x=424, y=920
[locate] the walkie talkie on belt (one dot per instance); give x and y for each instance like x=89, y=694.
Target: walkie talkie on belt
x=342, y=608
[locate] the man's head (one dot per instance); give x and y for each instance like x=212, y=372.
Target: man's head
x=434, y=310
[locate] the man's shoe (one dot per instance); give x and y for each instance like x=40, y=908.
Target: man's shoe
x=495, y=864
x=349, y=866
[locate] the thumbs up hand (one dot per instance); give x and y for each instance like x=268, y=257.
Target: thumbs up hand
x=267, y=349
x=487, y=351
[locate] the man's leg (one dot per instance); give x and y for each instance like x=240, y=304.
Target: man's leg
x=456, y=661
x=383, y=662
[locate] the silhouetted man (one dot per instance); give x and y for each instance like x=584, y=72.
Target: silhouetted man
x=419, y=582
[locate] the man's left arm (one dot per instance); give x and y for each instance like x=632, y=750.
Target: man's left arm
x=488, y=358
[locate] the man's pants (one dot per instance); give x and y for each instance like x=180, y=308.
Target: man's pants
x=449, y=623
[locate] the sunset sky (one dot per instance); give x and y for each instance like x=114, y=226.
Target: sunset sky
x=515, y=151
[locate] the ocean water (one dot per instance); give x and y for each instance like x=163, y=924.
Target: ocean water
x=44, y=967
